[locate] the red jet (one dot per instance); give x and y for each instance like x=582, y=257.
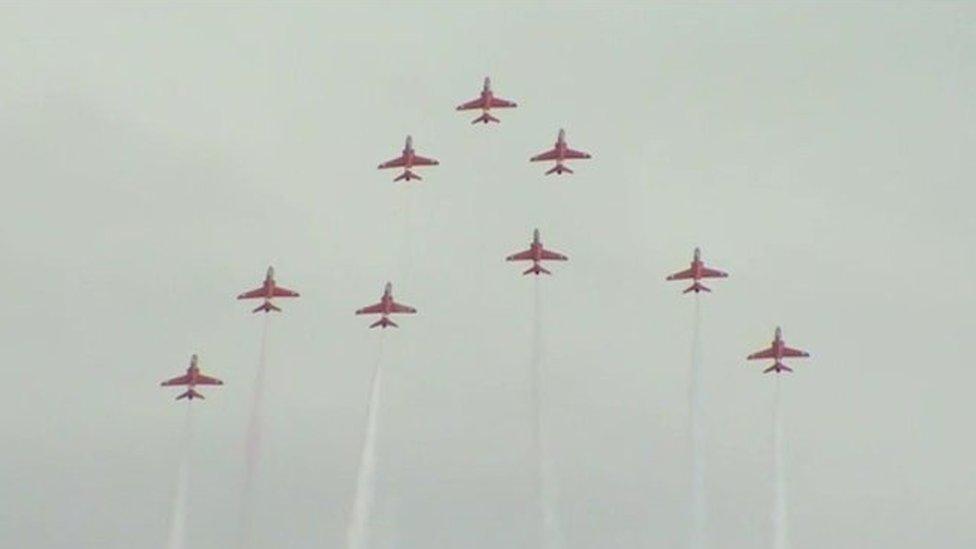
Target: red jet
x=408, y=159
x=486, y=102
x=697, y=272
x=560, y=153
x=192, y=378
x=268, y=290
x=536, y=253
x=386, y=307
x=778, y=351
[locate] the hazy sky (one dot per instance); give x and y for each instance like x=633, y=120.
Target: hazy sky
x=155, y=160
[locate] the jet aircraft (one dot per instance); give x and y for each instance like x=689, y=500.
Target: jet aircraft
x=407, y=160
x=560, y=153
x=537, y=254
x=386, y=307
x=268, y=290
x=696, y=272
x=486, y=102
x=191, y=379
x=778, y=351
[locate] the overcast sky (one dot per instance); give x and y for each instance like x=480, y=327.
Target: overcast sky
x=155, y=160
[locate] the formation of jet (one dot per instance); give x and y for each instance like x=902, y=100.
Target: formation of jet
x=697, y=272
x=486, y=102
x=268, y=290
x=537, y=254
x=408, y=159
x=778, y=351
x=191, y=379
x=560, y=152
x=386, y=307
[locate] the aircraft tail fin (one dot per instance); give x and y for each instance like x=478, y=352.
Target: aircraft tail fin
x=696, y=287
x=485, y=118
x=190, y=394
x=559, y=169
x=407, y=175
x=383, y=322
x=778, y=367
x=267, y=307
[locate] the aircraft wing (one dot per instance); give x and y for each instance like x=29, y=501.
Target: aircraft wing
x=372, y=309
x=181, y=380
x=421, y=161
x=787, y=351
x=547, y=254
x=768, y=353
x=473, y=104
x=400, y=308
x=682, y=275
x=521, y=256
x=395, y=163
x=570, y=153
x=283, y=292
x=551, y=154
x=712, y=273
x=498, y=103
x=252, y=294
x=207, y=380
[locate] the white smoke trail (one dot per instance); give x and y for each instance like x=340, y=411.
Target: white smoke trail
x=252, y=443
x=780, y=522
x=177, y=529
x=550, y=532
x=698, y=535
x=357, y=532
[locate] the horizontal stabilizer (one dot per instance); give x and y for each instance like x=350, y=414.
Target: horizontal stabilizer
x=696, y=287
x=383, y=322
x=267, y=307
x=559, y=169
x=189, y=394
x=778, y=367
x=537, y=270
x=407, y=175
x=485, y=118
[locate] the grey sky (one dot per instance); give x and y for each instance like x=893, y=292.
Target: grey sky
x=156, y=160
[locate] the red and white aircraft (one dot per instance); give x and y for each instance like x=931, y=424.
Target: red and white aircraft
x=778, y=351
x=386, y=307
x=192, y=378
x=486, y=102
x=268, y=290
x=697, y=272
x=408, y=159
x=536, y=254
x=560, y=153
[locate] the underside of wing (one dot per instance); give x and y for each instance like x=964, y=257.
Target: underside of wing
x=554, y=256
x=372, y=309
x=478, y=103
x=207, y=380
x=570, y=153
x=521, y=256
x=395, y=163
x=682, y=275
x=712, y=273
x=259, y=292
x=181, y=380
x=422, y=161
x=284, y=292
x=787, y=351
x=400, y=308
x=498, y=103
x=768, y=353
x=551, y=154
